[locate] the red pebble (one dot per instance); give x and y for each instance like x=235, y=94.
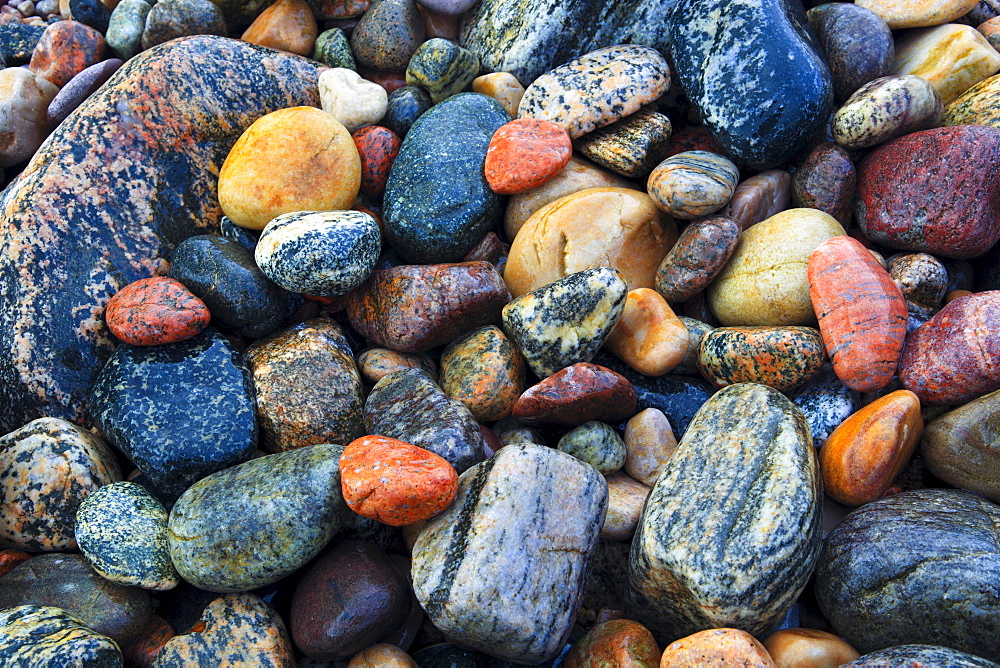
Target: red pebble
x=693, y=138
x=155, y=311
x=524, y=154
x=11, y=558
x=390, y=81
x=65, y=49
x=144, y=648
x=394, y=482
x=578, y=394
x=378, y=148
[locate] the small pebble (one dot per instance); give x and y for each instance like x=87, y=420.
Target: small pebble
x=524, y=154
x=155, y=311
x=288, y=25
x=649, y=442
x=630, y=147
x=502, y=87
x=648, y=337
x=350, y=99
x=442, y=68
x=693, y=184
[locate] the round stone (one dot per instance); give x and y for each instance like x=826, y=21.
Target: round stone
x=524, y=154
x=288, y=25
x=170, y=19
x=156, y=310
x=597, y=444
x=351, y=99
x=692, y=184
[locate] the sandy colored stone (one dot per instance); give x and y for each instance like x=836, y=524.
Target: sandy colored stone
x=886, y=108
x=649, y=442
x=351, y=99
x=917, y=13
x=375, y=363
x=952, y=57
x=382, y=655
x=980, y=105
x=24, y=99
x=597, y=227
x=792, y=648
x=649, y=337
x=765, y=282
x=962, y=447
x=502, y=87
x=288, y=25
x=693, y=183
x=295, y=159
x=625, y=499
x=716, y=647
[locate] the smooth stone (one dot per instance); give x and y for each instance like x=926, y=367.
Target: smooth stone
x=382, y=655
x=990, y=29
x=352, y=100
x=765, y=281
x=239, y=629
x=405, y=105
x=625, y=499
x=610, y=227
x=24, y=102
x=448, y=7
x=438, y=215
x=779, y=357
x=649, y=337
x=914, y=567
x=980, y=105
x=287, y=25
x=413, y=308
x=308, y=387
x=171, y=19
x=333, y=49
x=290, y=506
x=179, y=411
x=827, y=180
x=696, y=330
x=515, y=599
x=67, y=581
x=295, y=159
x=922, y=655
x=825, y=402
x=17, y=42
x=948, y=360
x=787, y=92
x=93, y=13
x=922, y=279
x=886, y=108
x=36, y=635
x=759, y=197
x=387, y=35
x=692, y=184
x=484, y=371
x=631, y=146
x=917, y=13
x=861, y=313
x=566, y=321
x=952, y=57
x=597, y=88
x=864, y=455
x=442, y=68
x=126, y=26
x=933, y=191
x=156, y=310
x=48, y=468
x=693, y=138
x=122, y=531
x=502, y=87
x=595, y=443
x=702, y=250
x=524, y=154
x=721, y=646
x=649, y=443
x=409, y=406
x=808, y=647
x=378, y=148
x=577, y=394
x=395, y=483
x=79, y=88
x=577, y=175
x=224, y=275
x=65, y=49
x=746, y=467
x=857, y=44
x=376, y=363
x=960, y=447
x=618, y=642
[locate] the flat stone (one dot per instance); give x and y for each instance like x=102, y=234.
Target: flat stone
x=79, y=88
x=632, y=146
x=524, y=154
x=155, y=310
x=38, y=634
x=917, y=13
x=779, y=357
x=579, y=393
x=759, y=197
x=980, y=105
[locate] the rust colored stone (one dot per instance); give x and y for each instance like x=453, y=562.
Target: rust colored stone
x=577, y=394
x=524, y=154
x=618, y=642
x=700, y=253
x=808, y=647
x=693, y=138
x=154, y=311
x=828, y=181
x=142, y=652
x=759, y=197
x=287, y=25
x=378, y=148
x=65, y=49
x=716, y=647
x=11, y=558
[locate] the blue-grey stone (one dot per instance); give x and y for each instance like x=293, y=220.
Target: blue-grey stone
x=91, y=13
x=405, y=105
x=826, y=402
x=17, y=41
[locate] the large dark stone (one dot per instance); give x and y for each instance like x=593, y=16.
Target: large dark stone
x=124, y=179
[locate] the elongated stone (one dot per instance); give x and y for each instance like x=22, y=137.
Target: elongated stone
x=691, y=184
x=759, y=197
x=886, y=108
x=779, y=357
x=917, y=13
x=630, y=147
x=951, y=57
x=827, y=180
x=514, y=599
x=731, y=530
x=45, y=635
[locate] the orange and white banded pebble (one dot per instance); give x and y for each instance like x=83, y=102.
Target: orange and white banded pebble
x=716, y=647
x=154, y=311
x=395, y=483
x=808, y=648
x=524, y=154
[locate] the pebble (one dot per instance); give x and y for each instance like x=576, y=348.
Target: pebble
x=595, y=443
x=333, y=49
x=579, y=393
x=126, y=27
x=288, y=25
x=24, y=101
x=923, y=654
x=989, y=30
x=886, y=108
x=957, y=447
x=9, y=559
x=759, y=197
x=382, y=655
x=395, y=483
x=917, y=13
x=442, y=68
x=93, y=13
x=692, y=184
x=376, y=363
x=377, y=147
x=780, y=357
x=484, y=371
x=388, y=35
x=922, y=279
x=720, y=646
x=649, y=337
x=17, y=42
x=65, y=49
x=405, y=105
x=976, y=106
x=825, y=402
x=524, y=154
x=122, y=531
x=48, y=468
x=798, y=646
x=618, y=642
x=649, y=443
x=625, y=499
x=631, y=146
x=44, y=634
x=79, y=88
x=154, y=311
x=352, y=100
x=952, y=57
x=502, y=87
x=827, y=180
x=171, y=19
x=857, y=43
x=295, y=159
x=701, y=252
x=438, y=25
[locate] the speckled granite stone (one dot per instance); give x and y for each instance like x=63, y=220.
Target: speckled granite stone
x=122, y=531
x=333, y=50
x=387, y=35
x=17, y=41
x=47, y=467
x=405, y=105
x=700, y=253
x=484, y=371
x=597, y=89
x=915, y=567
x=886, y=108
x=125, y=28
x=442, y=68
x=289, y=504
x=825, y=402
x=827, y=180
x=438, y=204
x=731, y=529
x=179, y=411
x=920, y=655
x=595, y=443
x=409, y=406
x=980, y=105
x=139, y=152
x=42, y=635
x=514, y=599
x=786, y=92
x=566, y=321
x=631, y=146
x=780, y=357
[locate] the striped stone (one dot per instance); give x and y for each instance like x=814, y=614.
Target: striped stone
x=693, y=183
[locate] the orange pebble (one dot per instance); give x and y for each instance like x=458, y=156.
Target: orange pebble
x=395, y=483
x=808, y=648
x=955, y=294
x=288, y=25
x=716, y=647
x=154, y=311
x=11, y=558
x=524, y=154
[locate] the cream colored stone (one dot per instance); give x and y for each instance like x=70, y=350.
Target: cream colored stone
x=952, y=57
x=650, y=338
x=764, y=282
x=353, y=100
x=649, y=442
x=917, y=13
x=502, y=87
x=382, y=655
x=625, y=499
x=24, y=99
x=577, y=175
x=597, y=227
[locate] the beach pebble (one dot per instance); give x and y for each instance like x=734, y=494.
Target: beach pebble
x=502, y=87
x=597, y=444
x=154, y=311
x=780, y=357
x=79, y=88
x=857, y=43
x=825, y=403
x=631, y=146
x=333, y=49
x=350, y=99
x=692, y=184
x=171, y=19
x=442, y=68
x=625, y=499
x=484, y=371
x=952, y=57
x=827, y=180
x=649, y=337
x=649, y=442
x=405, y=105
x=43, y=634
x=701, y=252
x=376, y=363
x=24, y=102
x=959, y=446
x=288, y=25
x=618, y=642
x=797, y=646
x=917, y=13
x=759, y=197
x=65, y=49
x=387, y=35
x=524, y=154
x=720, y=646
x=126, y=27
x=382, y=655
x=377, y=147
x=886, y=108
x=577, y=394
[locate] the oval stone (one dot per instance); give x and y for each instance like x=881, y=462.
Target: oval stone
x=917, y=13
x=857, y=44
x=524, y=154
x=960, y=447
x=595, y=443
x=65, y=49
x=886, y=108
x=618, y=642
x=155, y=310
x=79, y=88
x=692, y=184
x=726, y=647
x=649, y=442
x=649, y=337
x=484, y=371
x=502, y=87
x=922, y=278
x=625, y=499
x=577, y=394
x=827, y=180
x=377, y=363
x=931, y=655
x=701, y=251
x=286, y=25
x=759, y=197
x=442, y=68
x=387, y=35
x=378, y=148
x=47, y=635
x=780, y=357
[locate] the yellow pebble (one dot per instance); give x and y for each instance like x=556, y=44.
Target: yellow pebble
x=502, y=87
x=952, y=57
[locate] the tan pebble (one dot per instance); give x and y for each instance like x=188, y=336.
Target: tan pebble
x=648, y=337
x=351, y=99
x=374, y=363
x=717, y=647
x=952, y=57
x=625, y=499
x=382, y=655
x=649, y=442
x=759, y=197
x=510, y=430
x=917, y=13
x=502, y=87
x=808, y=648
x=955, y=294
x=288, y=25
x=24, y=100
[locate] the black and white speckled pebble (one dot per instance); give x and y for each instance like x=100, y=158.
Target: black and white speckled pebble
x=826, y=402
x=322, y=253
x=41, y=635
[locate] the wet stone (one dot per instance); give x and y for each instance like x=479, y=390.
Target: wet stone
x=47, y=635
x=579, y=393
x=375, y=363
x=649, y=442
x=701, y=251
x=484, y=371
x=959, y=447
x=980, y=105
x=922, y=279
x=631, y=146
x=692, y=184
x=288, y=25
x=442, y=68
x=351, y=99
x=524, y=154
x=696, y=330
x=24, y=103
x=333, y=49
x=625, y=499
x=170, y=19
x=404, y=106
x=825, y=402
x=597, y=444
x=827, y=180
x=951, y=57
x=886, y=108
x=388, y=35
x=378, y=147
x=502, y=87
x=154, y=311
x=780, y=357
x=649, y=337
x=759, y=197
x=857, y=43
x=65, y=49
x=79, y=88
